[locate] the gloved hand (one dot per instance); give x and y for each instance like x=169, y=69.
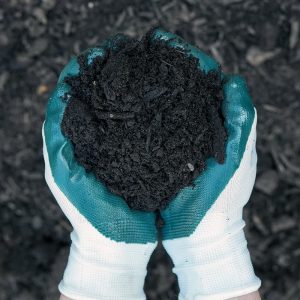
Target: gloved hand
x=203, y=230
x=111, y=244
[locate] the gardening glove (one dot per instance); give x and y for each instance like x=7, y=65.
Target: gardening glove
x=203, y=230
x=111, y=244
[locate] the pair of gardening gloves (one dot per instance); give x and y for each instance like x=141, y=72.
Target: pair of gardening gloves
x=203, y=231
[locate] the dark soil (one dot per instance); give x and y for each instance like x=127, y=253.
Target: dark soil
x=144, y=119
x=257, y=39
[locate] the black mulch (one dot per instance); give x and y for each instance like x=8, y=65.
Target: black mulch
x=144, y=119
x=258, y=39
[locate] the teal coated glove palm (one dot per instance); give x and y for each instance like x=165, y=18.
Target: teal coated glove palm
x=111, y=244
x=203, y=230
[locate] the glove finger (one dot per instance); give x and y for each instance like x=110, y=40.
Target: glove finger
x=239, y=114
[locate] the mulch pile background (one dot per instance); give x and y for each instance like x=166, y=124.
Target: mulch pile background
x=258, y=39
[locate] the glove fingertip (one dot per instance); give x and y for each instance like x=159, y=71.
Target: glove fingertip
x=112, y=43
x=71, y=69
x=238, y=107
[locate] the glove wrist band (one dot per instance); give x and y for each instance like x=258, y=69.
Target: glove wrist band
x=87, y=280
x=218, y=271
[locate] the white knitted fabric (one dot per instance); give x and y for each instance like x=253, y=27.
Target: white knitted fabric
x=98, y=267
x=213, y=263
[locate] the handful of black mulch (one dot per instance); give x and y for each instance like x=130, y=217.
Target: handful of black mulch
x=144, y=118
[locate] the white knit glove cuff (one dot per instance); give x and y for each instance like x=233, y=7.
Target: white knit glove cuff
x=218, y=270
x=86, y=279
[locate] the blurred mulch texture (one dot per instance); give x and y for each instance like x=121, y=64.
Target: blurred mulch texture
x=258, y=39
